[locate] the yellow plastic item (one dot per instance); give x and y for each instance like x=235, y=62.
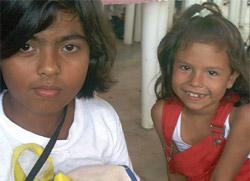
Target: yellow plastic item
x=37, y=149
x=61, y=177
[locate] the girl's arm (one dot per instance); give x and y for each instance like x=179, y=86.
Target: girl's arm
x=237, y=146
x=156, y=113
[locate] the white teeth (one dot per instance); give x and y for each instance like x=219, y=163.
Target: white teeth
x=194, y=95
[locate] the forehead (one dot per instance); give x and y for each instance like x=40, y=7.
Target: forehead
x=64, y=23
x=203, y=54
x=213, y=46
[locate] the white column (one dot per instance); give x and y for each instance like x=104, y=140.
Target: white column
x=234, y=10
x=243, y=12
x=171, y=11
x=163, y=20
x=138, y=20
x=129, y=24
x=188, y=3
x=154, y=26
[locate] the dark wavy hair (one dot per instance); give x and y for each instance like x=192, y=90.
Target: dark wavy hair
x=20, y=20
x=212, y=29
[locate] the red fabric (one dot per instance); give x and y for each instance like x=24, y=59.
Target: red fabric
x=198, y=162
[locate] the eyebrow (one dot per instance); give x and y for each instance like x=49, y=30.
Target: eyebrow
x=178, y=61
x=75, y=36
x=71, y=37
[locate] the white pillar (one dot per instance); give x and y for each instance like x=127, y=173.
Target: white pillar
x=163, y=20
x=243, y=12
x=129, y=24
x=171, y=11
x=234, y=10
x=138, y=20
x=188, y=3
x=154, y=26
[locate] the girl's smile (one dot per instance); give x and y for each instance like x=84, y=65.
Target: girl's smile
x=201, y=75
x=195, y=96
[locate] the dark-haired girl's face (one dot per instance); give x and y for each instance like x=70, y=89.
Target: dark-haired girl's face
x=50, y=69
x=201, y=75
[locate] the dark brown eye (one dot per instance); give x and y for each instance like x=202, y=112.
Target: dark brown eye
x=211, y=72
x=26, y=48
x=70, y=48
x=184, y=67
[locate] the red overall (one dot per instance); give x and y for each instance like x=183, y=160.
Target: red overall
x=198, y=162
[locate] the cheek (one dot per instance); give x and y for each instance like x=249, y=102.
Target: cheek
x=13, y=77
x=77, y=75
x=178, y=78
x=176, y=83
x=218, y=86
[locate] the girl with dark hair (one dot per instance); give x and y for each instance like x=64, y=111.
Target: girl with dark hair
x=54, y=56
x=202, y=113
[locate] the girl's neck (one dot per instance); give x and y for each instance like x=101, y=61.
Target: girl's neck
x=195, y=125
x=41, y=124
x=205, y=115
x=209, y=110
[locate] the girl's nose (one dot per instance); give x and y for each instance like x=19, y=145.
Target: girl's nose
x=48, y=64
x=196, y=80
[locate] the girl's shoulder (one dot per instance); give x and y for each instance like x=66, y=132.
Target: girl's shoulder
x=239, y=122
x=96, y=103
x=156, y=111
x=97, y=107
x=159, y=108
x=156, y=114
x=240, y=115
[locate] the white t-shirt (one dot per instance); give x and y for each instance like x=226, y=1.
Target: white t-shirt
x=95, y=138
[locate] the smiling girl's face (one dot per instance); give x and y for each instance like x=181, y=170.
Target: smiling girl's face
x=201, y=75
x=50, y=69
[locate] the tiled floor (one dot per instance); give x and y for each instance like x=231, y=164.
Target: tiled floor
x=143, y=145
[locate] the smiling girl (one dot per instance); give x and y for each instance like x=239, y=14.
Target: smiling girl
x=202, y=113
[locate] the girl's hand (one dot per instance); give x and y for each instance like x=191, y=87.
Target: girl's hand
x=175, y=177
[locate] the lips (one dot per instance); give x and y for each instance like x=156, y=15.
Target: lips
x=47, y=91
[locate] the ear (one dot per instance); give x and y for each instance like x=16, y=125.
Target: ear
x=232, y=78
